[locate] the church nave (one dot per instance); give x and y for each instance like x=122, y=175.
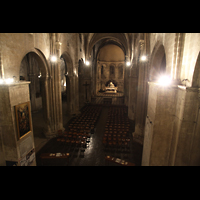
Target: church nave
x=94, y=154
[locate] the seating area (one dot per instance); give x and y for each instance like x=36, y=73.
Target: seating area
x=78, y=132
x=117, y=130
x=80, y=144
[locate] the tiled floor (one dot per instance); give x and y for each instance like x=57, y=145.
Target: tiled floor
x=94, y=155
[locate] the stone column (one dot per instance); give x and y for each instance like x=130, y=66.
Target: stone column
x=186, y=139
x=45, y=85
x=141, y=103
x=160, y=119
x=172, y=126
x=132, y=92
x=70, y=93
x=32, y=91
x=55, y=86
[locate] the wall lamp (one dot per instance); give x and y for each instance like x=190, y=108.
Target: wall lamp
x=164, y=80
x=7, y=81
x=87, y=63
x=143, y=58
x=128, y=64
x=53, y=58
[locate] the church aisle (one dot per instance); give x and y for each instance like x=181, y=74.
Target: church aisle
x=94, y=154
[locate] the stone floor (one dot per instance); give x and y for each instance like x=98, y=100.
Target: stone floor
x=94, y=154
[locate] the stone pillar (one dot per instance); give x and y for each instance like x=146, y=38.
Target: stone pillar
x=45, y=85
x=141, y=104
x=186, y=139
x=76, y=94
x=159, y=125
x=132, y=93
x=172, y=126
x=32, y=91
x=70, y=94
x=126, y=85
x=15, y=150
x=55, y=86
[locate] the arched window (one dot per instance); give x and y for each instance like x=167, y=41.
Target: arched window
x=102, y=70
x=112, y=70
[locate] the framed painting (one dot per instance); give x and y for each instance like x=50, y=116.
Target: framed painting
x=23, y=119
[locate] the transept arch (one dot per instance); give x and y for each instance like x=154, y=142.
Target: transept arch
x=120, y=38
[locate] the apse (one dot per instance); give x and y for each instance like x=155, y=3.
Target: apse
x=110, y=67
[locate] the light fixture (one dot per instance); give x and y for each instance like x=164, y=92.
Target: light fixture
x=7, y=81
x=128, y=64
x=164, y=80
x=53, y=58
x=143, y=58
x=40, y=75
x=87, y=63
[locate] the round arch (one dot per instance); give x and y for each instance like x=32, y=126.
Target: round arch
x=117, y=37
x=69, y=79
x=69, y=63
x=39, y=57
x=42, y=61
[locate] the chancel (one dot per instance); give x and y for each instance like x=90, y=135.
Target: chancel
x=99, y=99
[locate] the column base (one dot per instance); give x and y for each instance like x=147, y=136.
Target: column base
x=138, y=138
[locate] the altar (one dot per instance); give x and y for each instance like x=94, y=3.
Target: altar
x=111, y=88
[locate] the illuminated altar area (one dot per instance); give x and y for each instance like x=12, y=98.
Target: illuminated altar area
x=111, y=88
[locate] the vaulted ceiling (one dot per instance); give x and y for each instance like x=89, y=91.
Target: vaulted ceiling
x=119, y=39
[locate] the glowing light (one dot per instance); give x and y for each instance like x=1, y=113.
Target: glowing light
x=143, y=58
x=87, y=63
x=9, y=80
x=164, y=80
x=128, y=64
x=53, y=58
x=6, y=81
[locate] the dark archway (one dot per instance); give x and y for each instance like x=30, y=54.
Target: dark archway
x=196, y=75
x=158, y=62
x=67, y=74
x=63, y=75
x=30, y=71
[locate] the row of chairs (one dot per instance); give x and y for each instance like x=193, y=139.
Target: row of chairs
x=117, y=129
x=73, y=139
x=79, y=130
x=86, y=120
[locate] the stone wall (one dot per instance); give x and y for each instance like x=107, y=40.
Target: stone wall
x=14, y=148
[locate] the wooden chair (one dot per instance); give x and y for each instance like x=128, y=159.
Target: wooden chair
x=59, y=133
